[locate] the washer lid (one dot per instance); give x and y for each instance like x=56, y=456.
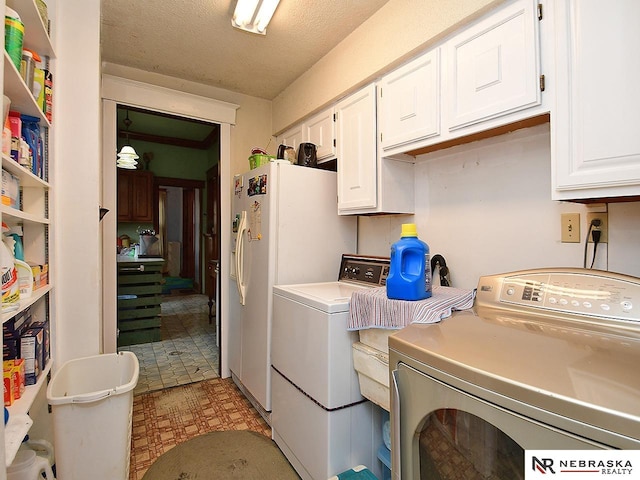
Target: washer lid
x=586, y=374
x=330, y=297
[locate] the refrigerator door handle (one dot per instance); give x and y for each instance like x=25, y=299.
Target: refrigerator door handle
x=242, y=228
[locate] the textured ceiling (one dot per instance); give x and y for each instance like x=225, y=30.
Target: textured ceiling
x=194, y=40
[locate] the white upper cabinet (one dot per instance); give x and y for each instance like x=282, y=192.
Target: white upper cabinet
x=368, y=183
x=357, y=172
x=494, y=67
x=321, y=131
x=595, y=139
x=482, y=79
x=409, y=103
x=291, y=137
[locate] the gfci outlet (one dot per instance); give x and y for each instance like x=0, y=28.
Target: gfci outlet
x=604, y=226
x=570, y=227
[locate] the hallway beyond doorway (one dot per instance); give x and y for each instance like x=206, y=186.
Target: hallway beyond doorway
x=187, y=352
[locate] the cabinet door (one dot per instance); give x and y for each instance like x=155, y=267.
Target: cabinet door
x=494, y=66
x=124, y=194
x=320, y=130
x=409, y=104
x=357, y=174
x=135, y=196
x=595, y=134
x=142, y=197
x=291, y=137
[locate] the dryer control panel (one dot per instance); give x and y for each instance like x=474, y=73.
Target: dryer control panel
x=571, y=291
x=371, y=271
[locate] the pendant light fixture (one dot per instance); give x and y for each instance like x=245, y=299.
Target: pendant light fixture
x=254, y=15
x=127, y=157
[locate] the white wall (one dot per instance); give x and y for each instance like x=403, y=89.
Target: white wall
x=76, y=269
x=487, y=208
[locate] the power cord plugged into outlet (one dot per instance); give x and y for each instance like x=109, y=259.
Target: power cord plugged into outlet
x=594, y=231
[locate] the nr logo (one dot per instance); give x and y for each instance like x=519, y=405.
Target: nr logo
x=542, y=465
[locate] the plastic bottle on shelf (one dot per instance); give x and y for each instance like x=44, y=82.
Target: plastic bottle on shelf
x=410, y=273
x=9, y=275
x=16, y=234
x=13, y=36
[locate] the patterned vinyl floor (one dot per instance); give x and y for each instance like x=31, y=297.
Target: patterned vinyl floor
x=179, y=394
x=165, y=418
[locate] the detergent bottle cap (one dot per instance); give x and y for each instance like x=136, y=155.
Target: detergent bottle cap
x=409, y=230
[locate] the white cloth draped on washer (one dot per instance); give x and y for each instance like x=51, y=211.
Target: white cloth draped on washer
x=370, y=308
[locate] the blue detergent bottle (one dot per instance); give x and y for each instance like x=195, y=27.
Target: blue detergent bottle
x=410, y=273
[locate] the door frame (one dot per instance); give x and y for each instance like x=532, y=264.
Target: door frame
x=117, y=90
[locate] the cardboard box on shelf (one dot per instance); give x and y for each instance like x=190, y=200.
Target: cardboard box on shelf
x=18, y=376
x=35, y=270
x=48, y=95
x=31, y=344
x=9, y=389
x=10, y=189
x=38, y=88
x=11, y=332
x=40, y=274
x=11, y=348
x=16, y=369
x=16, y=133
x=44, y=274
x=46, y=342
x=16, y=324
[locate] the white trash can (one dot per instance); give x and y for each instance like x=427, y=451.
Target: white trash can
x=92, y=404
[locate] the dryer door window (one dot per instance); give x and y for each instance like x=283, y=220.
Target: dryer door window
x=455, y=444
x=445, y=433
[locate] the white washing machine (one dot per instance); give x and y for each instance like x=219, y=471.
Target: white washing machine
x=319, y=419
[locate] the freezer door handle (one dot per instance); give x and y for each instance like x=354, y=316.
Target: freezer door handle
x=242, y=228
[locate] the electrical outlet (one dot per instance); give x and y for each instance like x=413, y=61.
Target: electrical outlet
x=570, y=224
x=604, y=225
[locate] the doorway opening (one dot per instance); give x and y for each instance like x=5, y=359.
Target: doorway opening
x=179, y=223
x=178, y=155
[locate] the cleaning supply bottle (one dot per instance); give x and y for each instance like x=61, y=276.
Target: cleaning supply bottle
x=410, y=273
x=16, y=234
x=9, y=274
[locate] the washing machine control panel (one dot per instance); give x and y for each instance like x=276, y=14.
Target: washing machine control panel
x=372, y=271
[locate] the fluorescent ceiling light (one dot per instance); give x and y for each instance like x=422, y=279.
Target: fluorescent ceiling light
x=245, y=17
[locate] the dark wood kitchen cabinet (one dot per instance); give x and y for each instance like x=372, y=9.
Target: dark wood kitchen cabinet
x=135, y=196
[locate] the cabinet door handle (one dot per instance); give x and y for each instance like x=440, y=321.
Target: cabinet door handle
x=133, y=269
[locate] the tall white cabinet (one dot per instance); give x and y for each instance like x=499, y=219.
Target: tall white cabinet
x=595, y=140
x=368, y=182
x=357, y=150
x=35, y=214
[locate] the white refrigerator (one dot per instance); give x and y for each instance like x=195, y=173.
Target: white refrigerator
x=286, y=229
